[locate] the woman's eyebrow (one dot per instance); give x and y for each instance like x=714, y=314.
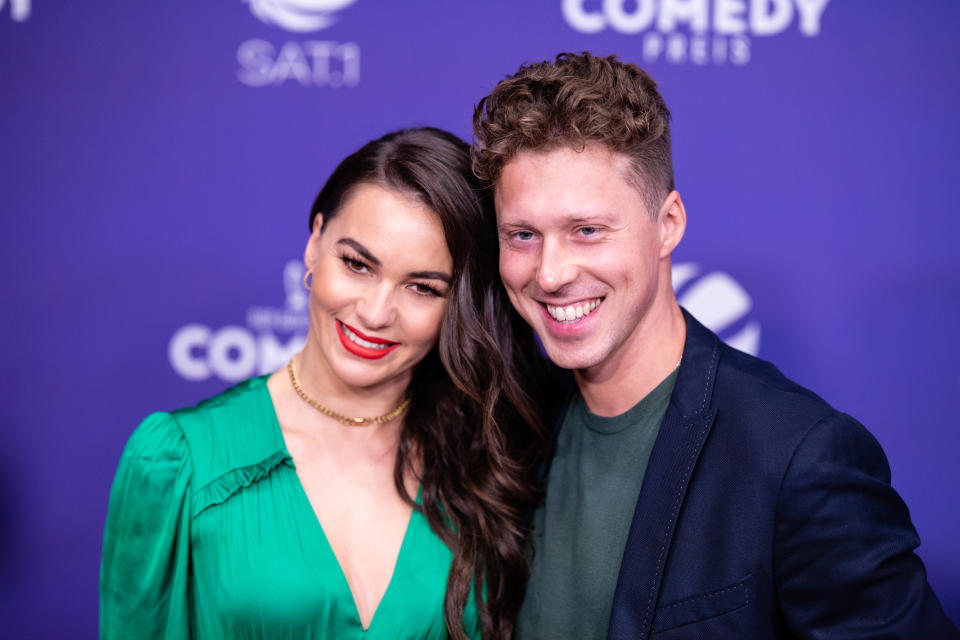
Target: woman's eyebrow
x=372, y=259
x=431, y=275
x=362, y=250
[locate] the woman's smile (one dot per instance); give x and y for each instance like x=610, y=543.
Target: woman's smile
x=363, y=345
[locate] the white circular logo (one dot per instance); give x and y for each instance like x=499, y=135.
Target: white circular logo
x=298, y=15
x=720, y=303
x=19, y=9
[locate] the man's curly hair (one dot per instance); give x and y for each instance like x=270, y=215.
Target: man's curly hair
x=575, y=101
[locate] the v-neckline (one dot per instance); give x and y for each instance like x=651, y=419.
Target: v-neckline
x=344, y=583
x=318, y=526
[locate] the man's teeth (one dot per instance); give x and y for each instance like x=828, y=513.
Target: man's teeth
x=360, y=341
x=573, y=312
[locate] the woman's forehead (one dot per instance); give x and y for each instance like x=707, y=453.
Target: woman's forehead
x=390, y=225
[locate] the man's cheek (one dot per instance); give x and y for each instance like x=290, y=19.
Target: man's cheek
x=515, y=301
x=511, y=270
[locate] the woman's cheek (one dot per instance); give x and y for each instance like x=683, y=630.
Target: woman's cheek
x=428, y=322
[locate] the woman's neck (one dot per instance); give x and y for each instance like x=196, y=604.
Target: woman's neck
x=321, y=384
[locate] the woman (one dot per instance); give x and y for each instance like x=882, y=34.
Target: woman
x=376, y=486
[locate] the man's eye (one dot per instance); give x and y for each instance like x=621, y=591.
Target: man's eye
x=588, y=231
x=523, y=235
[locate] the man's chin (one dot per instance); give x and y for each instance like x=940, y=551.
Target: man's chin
x=566, y=358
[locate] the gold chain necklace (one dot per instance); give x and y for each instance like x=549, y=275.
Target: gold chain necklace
x=339, y=417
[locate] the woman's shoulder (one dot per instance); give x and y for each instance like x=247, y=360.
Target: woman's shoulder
x=244, y=398
x=229, y=431
x=158, y=438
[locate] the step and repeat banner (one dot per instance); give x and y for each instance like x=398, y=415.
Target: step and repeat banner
x=158, y=161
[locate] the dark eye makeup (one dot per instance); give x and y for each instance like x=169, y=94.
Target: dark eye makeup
x=356, y=265
x=425, y=290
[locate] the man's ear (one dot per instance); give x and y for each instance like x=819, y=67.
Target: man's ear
x=672, y=221
x=311, y=253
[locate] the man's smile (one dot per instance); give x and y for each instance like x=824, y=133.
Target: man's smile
x=570, y=313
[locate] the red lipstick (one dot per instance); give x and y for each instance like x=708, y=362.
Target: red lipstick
x=359, y=349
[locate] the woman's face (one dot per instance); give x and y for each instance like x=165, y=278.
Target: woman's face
x=381, y=278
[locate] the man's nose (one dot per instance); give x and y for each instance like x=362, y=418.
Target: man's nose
x=558, y=266
x=377, y=309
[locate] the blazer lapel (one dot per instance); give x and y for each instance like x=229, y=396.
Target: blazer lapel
x=683, y=432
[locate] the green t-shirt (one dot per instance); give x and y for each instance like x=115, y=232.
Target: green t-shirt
x=581, y=528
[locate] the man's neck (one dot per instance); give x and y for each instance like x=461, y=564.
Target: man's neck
x=645, y=360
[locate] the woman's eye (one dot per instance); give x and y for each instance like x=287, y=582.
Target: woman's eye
x=354, y=265
x=424, y=290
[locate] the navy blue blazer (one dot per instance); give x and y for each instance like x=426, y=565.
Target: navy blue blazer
x=765, y=513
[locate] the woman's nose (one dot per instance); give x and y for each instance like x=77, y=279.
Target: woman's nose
x=376, y=309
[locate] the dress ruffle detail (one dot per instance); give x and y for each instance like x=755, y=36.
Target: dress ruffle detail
x=219, y=490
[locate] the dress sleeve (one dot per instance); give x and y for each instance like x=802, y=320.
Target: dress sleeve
x=146, y=546
x=844, y=560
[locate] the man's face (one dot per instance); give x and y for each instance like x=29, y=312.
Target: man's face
x=580, y=256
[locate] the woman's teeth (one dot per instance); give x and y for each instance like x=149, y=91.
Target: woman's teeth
x=573, y=312
x=360, y=341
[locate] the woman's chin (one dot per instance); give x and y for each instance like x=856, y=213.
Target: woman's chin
x=368, y=374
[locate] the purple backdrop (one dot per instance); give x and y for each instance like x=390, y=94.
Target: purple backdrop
x=158, y=163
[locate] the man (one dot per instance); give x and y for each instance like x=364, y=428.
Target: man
x=694, y=491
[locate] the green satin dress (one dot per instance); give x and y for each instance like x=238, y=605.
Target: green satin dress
x=210, y=535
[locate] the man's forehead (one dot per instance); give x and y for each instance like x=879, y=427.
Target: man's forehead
x=589, y=151
x=566, y=185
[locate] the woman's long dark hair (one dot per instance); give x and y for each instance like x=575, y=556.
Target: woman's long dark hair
x=472, y=420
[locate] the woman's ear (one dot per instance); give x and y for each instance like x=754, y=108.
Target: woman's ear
x=311, y=253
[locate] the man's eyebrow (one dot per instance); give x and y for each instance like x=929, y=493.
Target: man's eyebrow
x=431, y=275
x=513, y=225
x=362, y=250
x=597, y=217
x=593, y=218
